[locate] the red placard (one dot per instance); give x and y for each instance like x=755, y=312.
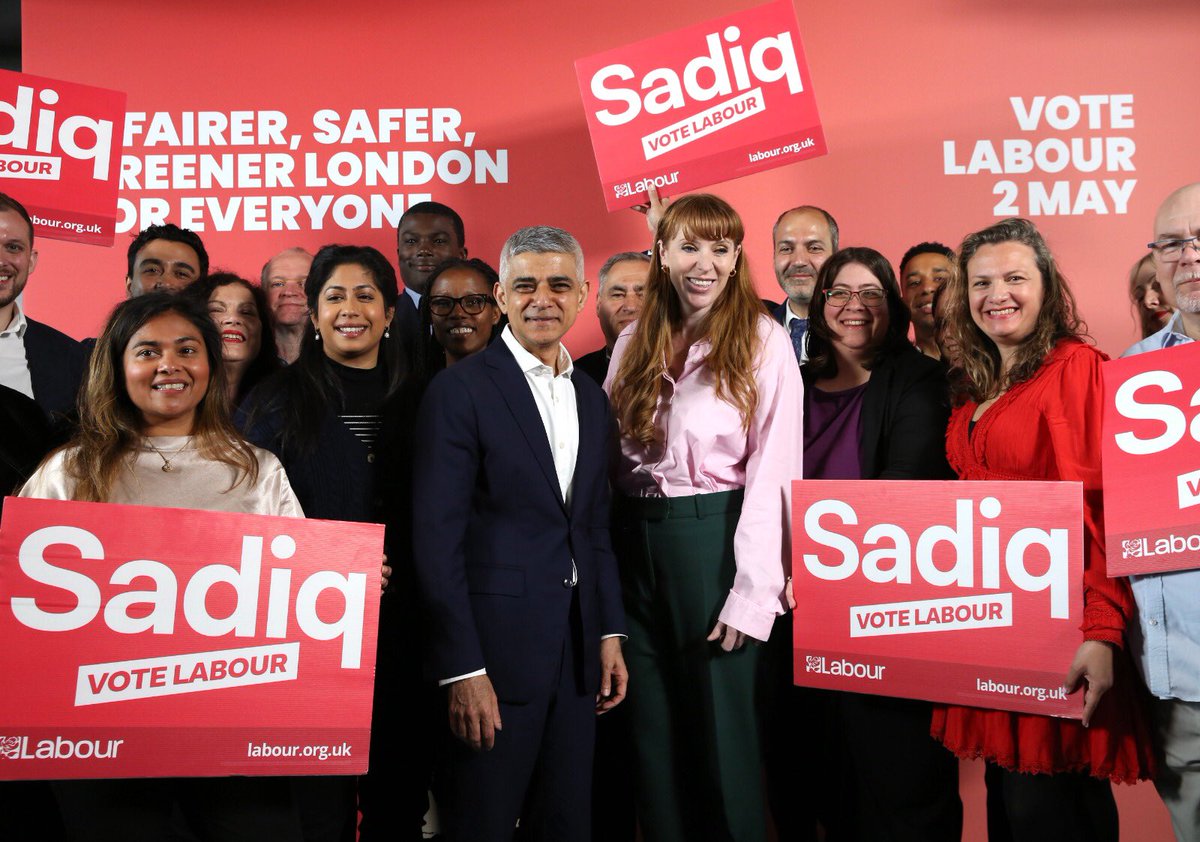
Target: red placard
x=1151, y=461
x=150, y=642
x=706, y=103
x=960, y=592
x=60, y=152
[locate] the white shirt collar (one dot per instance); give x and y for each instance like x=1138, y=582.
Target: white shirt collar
x=789, y=316
x=528, y=362
x=17, y=325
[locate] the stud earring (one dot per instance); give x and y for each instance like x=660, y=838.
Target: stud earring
x=317, y=333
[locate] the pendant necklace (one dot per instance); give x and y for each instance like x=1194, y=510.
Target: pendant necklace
x=166, y=463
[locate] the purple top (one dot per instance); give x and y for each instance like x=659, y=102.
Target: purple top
x=832, y=432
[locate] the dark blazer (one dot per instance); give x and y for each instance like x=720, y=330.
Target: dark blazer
x=56, y=367
x=904, y=416
x=493, y=540
x=594, y=365
x=778, y=311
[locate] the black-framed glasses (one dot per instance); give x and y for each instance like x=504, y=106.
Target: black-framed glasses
x=443, y=305
x=870, y=297
x=1170, y=250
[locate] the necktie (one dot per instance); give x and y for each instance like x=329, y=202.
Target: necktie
x=798, y=328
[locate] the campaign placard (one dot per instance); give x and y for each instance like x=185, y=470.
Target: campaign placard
x=968, y=593
x=60, y=155
x=706, y=103
x=154, y=642
x=1151, y=461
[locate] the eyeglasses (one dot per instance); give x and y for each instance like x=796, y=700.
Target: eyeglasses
x=870, y=297
x=1169, y=251
x=443, y=305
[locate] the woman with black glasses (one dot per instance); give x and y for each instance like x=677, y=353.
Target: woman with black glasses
x=458, y=314
x=876, y=408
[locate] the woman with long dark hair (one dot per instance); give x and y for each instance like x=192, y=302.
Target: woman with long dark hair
x=1028, y=398
x=154, y=429
x=340, y=419
x=708, y=398
x=239, y=309
x=876, y=408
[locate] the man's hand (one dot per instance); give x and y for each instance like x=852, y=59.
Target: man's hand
x=1093, y=663
x=614, y=677
x=654, y=210
x=474, y=712
x=730, y=637
x=385, y=574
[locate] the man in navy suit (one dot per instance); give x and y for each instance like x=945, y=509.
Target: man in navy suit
x=804, y=238
x=512, y=550
x=35, y=359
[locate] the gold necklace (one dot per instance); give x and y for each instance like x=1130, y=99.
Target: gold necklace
x=166, y=466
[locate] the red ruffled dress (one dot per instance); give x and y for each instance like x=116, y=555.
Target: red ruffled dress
x=1048, y=428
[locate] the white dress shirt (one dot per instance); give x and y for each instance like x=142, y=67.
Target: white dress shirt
x=14, y=368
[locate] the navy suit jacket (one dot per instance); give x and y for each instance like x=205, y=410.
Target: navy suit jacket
x=56, y=366
x=493, y=540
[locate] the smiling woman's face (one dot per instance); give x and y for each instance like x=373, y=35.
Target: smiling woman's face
x=166, y=374
x=351, y=316
x=235, y=313
x=459, y=332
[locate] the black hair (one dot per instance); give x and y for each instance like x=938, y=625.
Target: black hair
x=926, y=248
x=431, y=356
x=438, y=209
x=304, y=390
x=267, y=361
x=822, y=363
x=173, y=233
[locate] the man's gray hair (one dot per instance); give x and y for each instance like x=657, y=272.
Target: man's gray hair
x=620, y=258
x=541, y=239
x=266, y=270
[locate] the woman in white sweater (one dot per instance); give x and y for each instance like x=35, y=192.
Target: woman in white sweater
x=155, y=430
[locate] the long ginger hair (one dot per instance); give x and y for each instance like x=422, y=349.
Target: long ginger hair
x=731, y=326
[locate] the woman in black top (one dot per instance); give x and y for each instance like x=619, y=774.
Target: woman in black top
x=340, y=420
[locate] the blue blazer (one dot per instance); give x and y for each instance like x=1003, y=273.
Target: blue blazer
x=493, y=540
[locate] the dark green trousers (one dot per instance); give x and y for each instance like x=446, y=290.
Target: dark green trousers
x=695, y=729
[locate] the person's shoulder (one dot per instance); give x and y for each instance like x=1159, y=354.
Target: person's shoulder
x=1154, y=342
x=1073, y=351
x=773, y=336
x=50, y=334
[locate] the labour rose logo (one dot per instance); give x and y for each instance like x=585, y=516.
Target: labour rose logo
x=1132, y=548
x=815, y=663
x=10, y=747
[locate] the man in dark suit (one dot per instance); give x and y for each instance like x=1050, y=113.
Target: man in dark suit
x=428, y=233
x=35, y=359
x=512, y=551
x=804, y=237
x=619, y=297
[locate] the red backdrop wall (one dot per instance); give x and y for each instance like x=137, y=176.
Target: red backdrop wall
x=894, y=82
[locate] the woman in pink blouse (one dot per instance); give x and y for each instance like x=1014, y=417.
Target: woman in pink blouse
x=707, y=394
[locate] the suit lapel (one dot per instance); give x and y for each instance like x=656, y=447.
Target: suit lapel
x=515, y=390
x=590, y=436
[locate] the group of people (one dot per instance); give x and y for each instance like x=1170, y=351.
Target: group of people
x=611, y=535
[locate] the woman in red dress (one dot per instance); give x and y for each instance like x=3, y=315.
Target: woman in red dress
x=1028, y=395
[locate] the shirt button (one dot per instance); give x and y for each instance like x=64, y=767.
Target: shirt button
x=566, y=583
x=370, y=457
x=1154, y=622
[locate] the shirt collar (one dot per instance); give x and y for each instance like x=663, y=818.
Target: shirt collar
x=414, y=295
x=790, y=317
x=528, y=362
x=17, y=325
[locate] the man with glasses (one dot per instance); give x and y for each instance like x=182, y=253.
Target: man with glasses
x=1166, y=640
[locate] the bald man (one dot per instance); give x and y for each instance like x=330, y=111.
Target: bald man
x=1166, y=640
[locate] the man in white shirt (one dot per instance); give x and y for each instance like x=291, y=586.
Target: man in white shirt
x=35, y=359
x=513, y=555
x=804, y=237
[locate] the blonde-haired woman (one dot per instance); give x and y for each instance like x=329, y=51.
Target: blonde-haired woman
x=707, y=394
